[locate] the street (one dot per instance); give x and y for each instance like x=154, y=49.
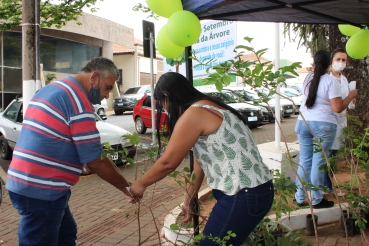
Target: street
x=261, y=134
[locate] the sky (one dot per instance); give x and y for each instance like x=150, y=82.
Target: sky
x=120, y=11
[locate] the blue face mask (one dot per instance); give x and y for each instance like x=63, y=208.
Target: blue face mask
x=94, y=94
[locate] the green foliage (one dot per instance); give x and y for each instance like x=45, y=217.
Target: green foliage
x=52, y=12
x=145, y=9
x=10, y=14
x=355, y=152
x=312, y=36
x=218, y=241
x=284, y=189
x=50, y=76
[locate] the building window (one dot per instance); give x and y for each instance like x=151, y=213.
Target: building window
x=145, y=78
x=64, y=56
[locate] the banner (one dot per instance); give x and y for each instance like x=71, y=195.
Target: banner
x=217, y=41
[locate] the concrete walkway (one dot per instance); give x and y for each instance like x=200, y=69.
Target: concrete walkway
x=104, y=217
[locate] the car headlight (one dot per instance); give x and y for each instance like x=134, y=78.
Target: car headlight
x=262, y=109
x=124, y=141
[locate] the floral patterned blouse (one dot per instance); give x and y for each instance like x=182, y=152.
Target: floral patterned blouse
x=229, y=157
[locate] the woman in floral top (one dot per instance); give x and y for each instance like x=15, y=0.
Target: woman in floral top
x=225, y=152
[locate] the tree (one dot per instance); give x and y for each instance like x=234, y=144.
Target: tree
x=52, y=12
x=329, y=37
x=176, y=61
x=312, y=36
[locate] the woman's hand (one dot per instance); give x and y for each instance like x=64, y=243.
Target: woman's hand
x=137, y=190
x=353, y=93
x=187, y=212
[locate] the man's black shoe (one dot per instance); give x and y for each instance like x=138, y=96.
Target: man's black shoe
x=324, y=203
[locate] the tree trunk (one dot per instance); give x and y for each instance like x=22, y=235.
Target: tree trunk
x=356, y=70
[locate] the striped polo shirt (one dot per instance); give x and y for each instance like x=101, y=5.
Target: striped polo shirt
x=58, y=136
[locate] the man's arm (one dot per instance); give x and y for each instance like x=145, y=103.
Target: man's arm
x=106, y=170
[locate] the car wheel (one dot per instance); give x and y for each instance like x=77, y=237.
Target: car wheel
x=282, y=117
x=118, y=112
x=6, y=151
x=101, y=111
x=140, y=127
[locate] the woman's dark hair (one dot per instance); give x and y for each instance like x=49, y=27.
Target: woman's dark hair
x=322, y=62
x=334, y=52
x=180, y=93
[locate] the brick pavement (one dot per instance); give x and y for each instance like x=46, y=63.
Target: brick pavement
x=104, y=217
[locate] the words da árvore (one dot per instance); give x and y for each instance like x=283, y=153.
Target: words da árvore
x=214, y=35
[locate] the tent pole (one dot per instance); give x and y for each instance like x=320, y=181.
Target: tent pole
x=277, y=111
x=189, y=75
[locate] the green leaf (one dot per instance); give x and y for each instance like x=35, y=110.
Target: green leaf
x=226, y=79
x=219, y=85
x=215, y=76
x=174, y=227
x=244, y=47
x=248, y=39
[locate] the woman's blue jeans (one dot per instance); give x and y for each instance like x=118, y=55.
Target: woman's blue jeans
x=240, y=213
x=310, y=160
x=44, y=222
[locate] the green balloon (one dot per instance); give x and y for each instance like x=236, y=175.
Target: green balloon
x=357, y=46
x=165, y=46
x=184, y=28
x=165, y=8
x=348, y=30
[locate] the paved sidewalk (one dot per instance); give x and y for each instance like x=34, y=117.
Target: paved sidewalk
x=104, y=217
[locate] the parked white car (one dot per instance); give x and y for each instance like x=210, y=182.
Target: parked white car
x=101, y=108
x=11, y=124
x=293, y=94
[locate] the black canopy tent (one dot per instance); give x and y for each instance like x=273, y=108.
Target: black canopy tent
x=353, y=12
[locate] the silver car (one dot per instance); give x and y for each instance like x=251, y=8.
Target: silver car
x=11, y=124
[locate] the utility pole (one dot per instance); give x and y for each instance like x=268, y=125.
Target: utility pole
x=30, y=50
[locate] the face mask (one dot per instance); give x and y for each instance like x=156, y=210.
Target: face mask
x=338, y=66
x=94, y=94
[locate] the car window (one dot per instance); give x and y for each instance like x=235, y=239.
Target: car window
x=144, y=89
x=243, y=95
x=133, y=90
x=12, y=112
x=291, y=93
x=147, y=102
x=252, y=95
x=224, y=97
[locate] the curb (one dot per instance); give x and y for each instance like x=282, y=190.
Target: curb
x=3, y=175
x=295, y=221
x=184, y=234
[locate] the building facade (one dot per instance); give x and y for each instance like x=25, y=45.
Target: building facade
x=62, y=51
x=137, y=69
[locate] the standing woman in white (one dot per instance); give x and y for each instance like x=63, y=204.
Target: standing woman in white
x=338, y=63
x=321, y=98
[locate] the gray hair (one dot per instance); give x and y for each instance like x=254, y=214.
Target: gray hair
x=103, y=65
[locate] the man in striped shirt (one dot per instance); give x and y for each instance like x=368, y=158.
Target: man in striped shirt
x=58, y=137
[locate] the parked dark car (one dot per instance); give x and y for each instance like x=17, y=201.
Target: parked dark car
x=251, y=113
x=287, y=106
x=142, y=115
x=250, y=97
x=128, y=100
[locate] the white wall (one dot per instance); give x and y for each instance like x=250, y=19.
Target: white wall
x=128, y=65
